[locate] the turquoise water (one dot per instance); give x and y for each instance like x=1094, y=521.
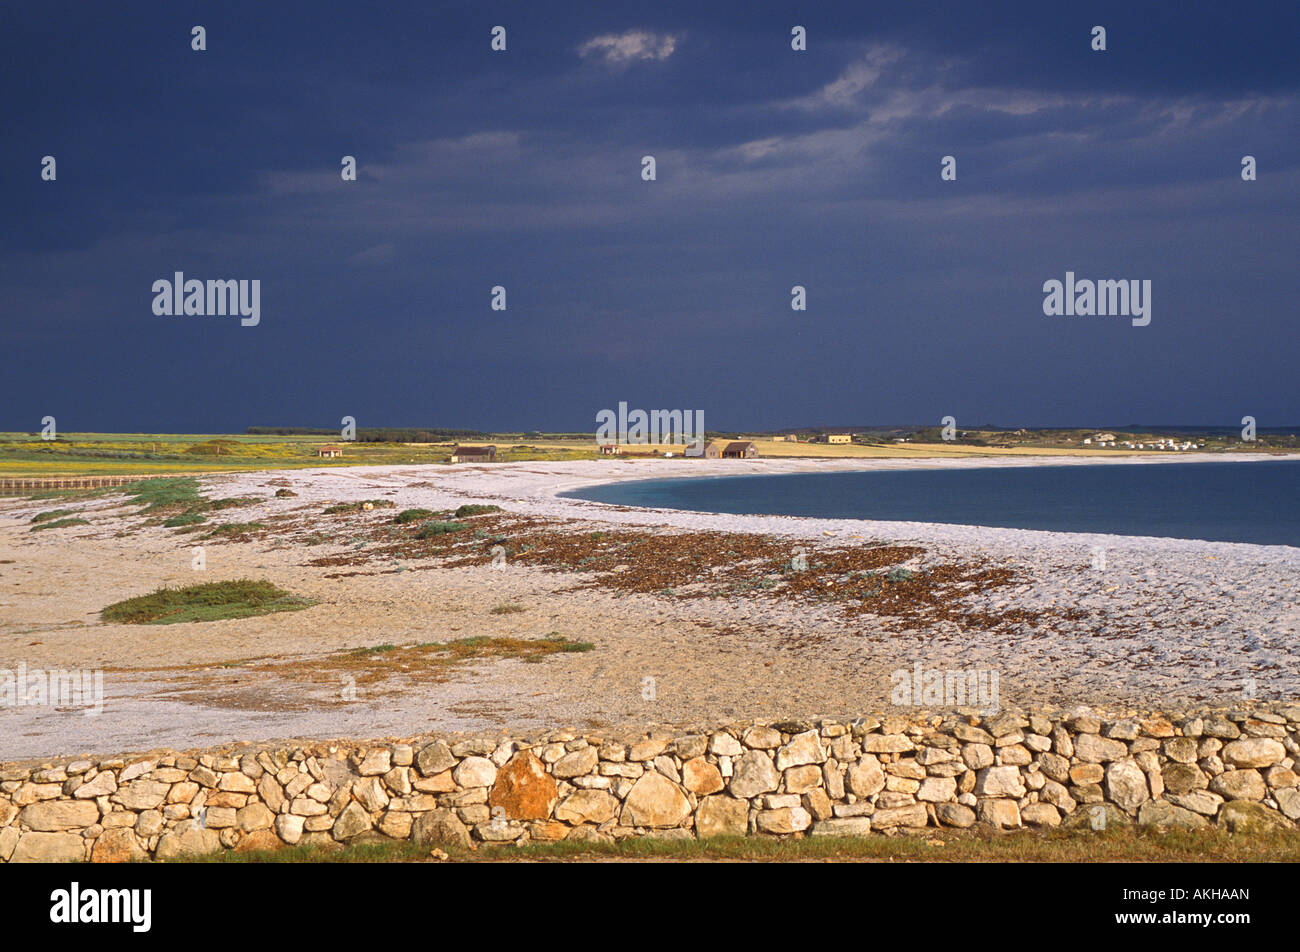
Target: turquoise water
x=1257, y=501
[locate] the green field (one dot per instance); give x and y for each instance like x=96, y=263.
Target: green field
x=105, y=454
x=112, y=454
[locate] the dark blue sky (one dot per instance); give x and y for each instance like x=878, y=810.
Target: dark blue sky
x=522, y=169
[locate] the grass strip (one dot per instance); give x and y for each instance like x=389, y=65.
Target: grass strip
x=60, y=524
x=931, y=845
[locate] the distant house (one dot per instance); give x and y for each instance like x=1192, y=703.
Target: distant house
x=474, y=454
x=839, y=437
x=1103, y=438
x=610, y=449
x=329, y=452
x=713, y=450
x=739, y=450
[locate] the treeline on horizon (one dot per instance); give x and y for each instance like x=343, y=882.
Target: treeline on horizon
x=1135, y=428
x=378, y=434
x=403, y=434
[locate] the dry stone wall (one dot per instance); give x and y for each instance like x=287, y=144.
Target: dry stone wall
x=867, y=776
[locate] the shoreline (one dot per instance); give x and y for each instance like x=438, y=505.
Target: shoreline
x=1170, y=622
x=924, y=529
x=535, y=486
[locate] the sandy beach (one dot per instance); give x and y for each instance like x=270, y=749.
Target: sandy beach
x=1166, y=623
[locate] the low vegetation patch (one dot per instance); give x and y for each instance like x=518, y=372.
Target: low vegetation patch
x=529, y=649
x=184, y=519
x=43, y=494
x=178, y=500
x=484, y=646
x=439, y=528
x=231, y=502
x=155, y=494
x=59, y=524
x=474, y=509
x=212, y=601
x=235, y=528
x=413, y=515
x=508, y=609
x=52, y=514
x=430, y=662
x=359, y=506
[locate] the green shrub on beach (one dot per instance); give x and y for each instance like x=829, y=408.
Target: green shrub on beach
x=184, y=519
x=232, y=502
x=429, y=529
x=43, y=494
x=52, y=514
x=413, y=515
x=155, y=494
x=474, y=509
x=60, y=524
x=358, y=506
x=236, y=528
x=212, y=601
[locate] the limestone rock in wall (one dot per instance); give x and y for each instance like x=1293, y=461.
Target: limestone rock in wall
x=788, y=778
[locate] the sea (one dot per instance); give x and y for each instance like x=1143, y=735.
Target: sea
x=1235, y=501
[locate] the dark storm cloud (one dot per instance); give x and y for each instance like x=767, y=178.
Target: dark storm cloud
x=522, y=169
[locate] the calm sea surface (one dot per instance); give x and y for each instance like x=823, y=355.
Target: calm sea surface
x=1224, y=502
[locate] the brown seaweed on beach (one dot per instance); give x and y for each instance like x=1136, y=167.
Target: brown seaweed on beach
x=864, y=580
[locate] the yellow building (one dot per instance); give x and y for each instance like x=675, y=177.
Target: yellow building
x=839, y=437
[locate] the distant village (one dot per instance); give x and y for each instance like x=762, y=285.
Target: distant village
x=723, y=448
x=713, y=449
x=1108, y=439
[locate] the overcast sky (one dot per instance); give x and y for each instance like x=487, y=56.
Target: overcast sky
x=523, y=169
